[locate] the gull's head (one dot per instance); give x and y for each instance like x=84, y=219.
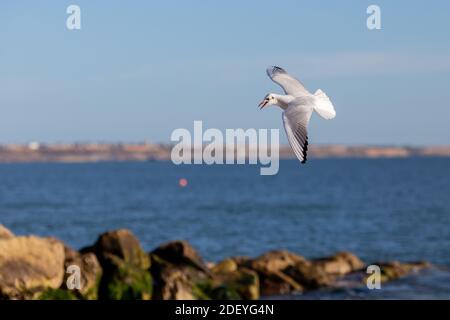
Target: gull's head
x=268, y=100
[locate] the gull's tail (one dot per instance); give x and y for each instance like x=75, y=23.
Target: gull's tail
x=323, y=105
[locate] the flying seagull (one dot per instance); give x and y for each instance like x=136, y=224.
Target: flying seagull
x=298, y=105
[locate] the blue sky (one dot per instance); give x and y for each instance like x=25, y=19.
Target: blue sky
x=138, y=70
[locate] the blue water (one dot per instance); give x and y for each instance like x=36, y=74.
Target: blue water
x=380, y=209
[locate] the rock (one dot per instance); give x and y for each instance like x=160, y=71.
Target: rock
x=394, y=269
x=282, y=272
x=246, y=282
x=125, y=281
x=122, y=244
x=5, y=233
x=309, y=275
x=225, y=266
x=339, y=264
x=269, y=268
x=175, y=284
x=187, y=281
x=29, y=265
x=274, y=261
x=57, y=294
x=125, y=266
x=241, y=261
x=277, y=283
x=90, y=272
x=354, y=262
x=176, y=281
x=243, y=281
x=210, y=291
x=177, y=269
x=181, y=253
x=232, y=279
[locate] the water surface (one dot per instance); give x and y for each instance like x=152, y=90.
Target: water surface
x=380, y=209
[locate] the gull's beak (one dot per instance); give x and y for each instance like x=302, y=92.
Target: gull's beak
x=262, y=104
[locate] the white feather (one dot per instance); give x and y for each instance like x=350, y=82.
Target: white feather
x=323, y=105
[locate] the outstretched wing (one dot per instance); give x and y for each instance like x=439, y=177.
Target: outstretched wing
x=295, y=120
x=289, y=84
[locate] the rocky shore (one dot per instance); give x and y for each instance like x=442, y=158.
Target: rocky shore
x=116, y=267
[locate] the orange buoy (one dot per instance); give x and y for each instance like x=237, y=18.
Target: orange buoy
x=183, y=182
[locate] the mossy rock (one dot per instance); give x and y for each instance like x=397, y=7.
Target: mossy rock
x=235, y=285
x=57, y=294
x=92, y=292
x=209, y=291
x=126, y=282
x=224, y=292
x=247, y=284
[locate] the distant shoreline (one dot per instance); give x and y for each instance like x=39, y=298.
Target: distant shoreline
x=108, y=152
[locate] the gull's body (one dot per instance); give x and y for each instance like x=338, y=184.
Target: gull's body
x=298, y=105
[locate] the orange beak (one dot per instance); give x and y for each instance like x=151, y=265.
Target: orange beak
x=263, y=103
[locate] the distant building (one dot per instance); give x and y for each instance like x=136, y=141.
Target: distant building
x=34, y=146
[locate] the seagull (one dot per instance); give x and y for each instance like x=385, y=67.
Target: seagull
x=298, y=105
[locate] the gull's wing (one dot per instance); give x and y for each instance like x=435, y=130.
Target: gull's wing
x=295, y=120
x=289, y=84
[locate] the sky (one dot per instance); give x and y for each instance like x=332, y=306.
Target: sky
x=137, y=70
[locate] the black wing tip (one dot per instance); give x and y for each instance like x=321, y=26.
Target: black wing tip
x=275, y=69
x=305, y=151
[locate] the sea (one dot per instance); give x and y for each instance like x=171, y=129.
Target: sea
x=379, y=209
